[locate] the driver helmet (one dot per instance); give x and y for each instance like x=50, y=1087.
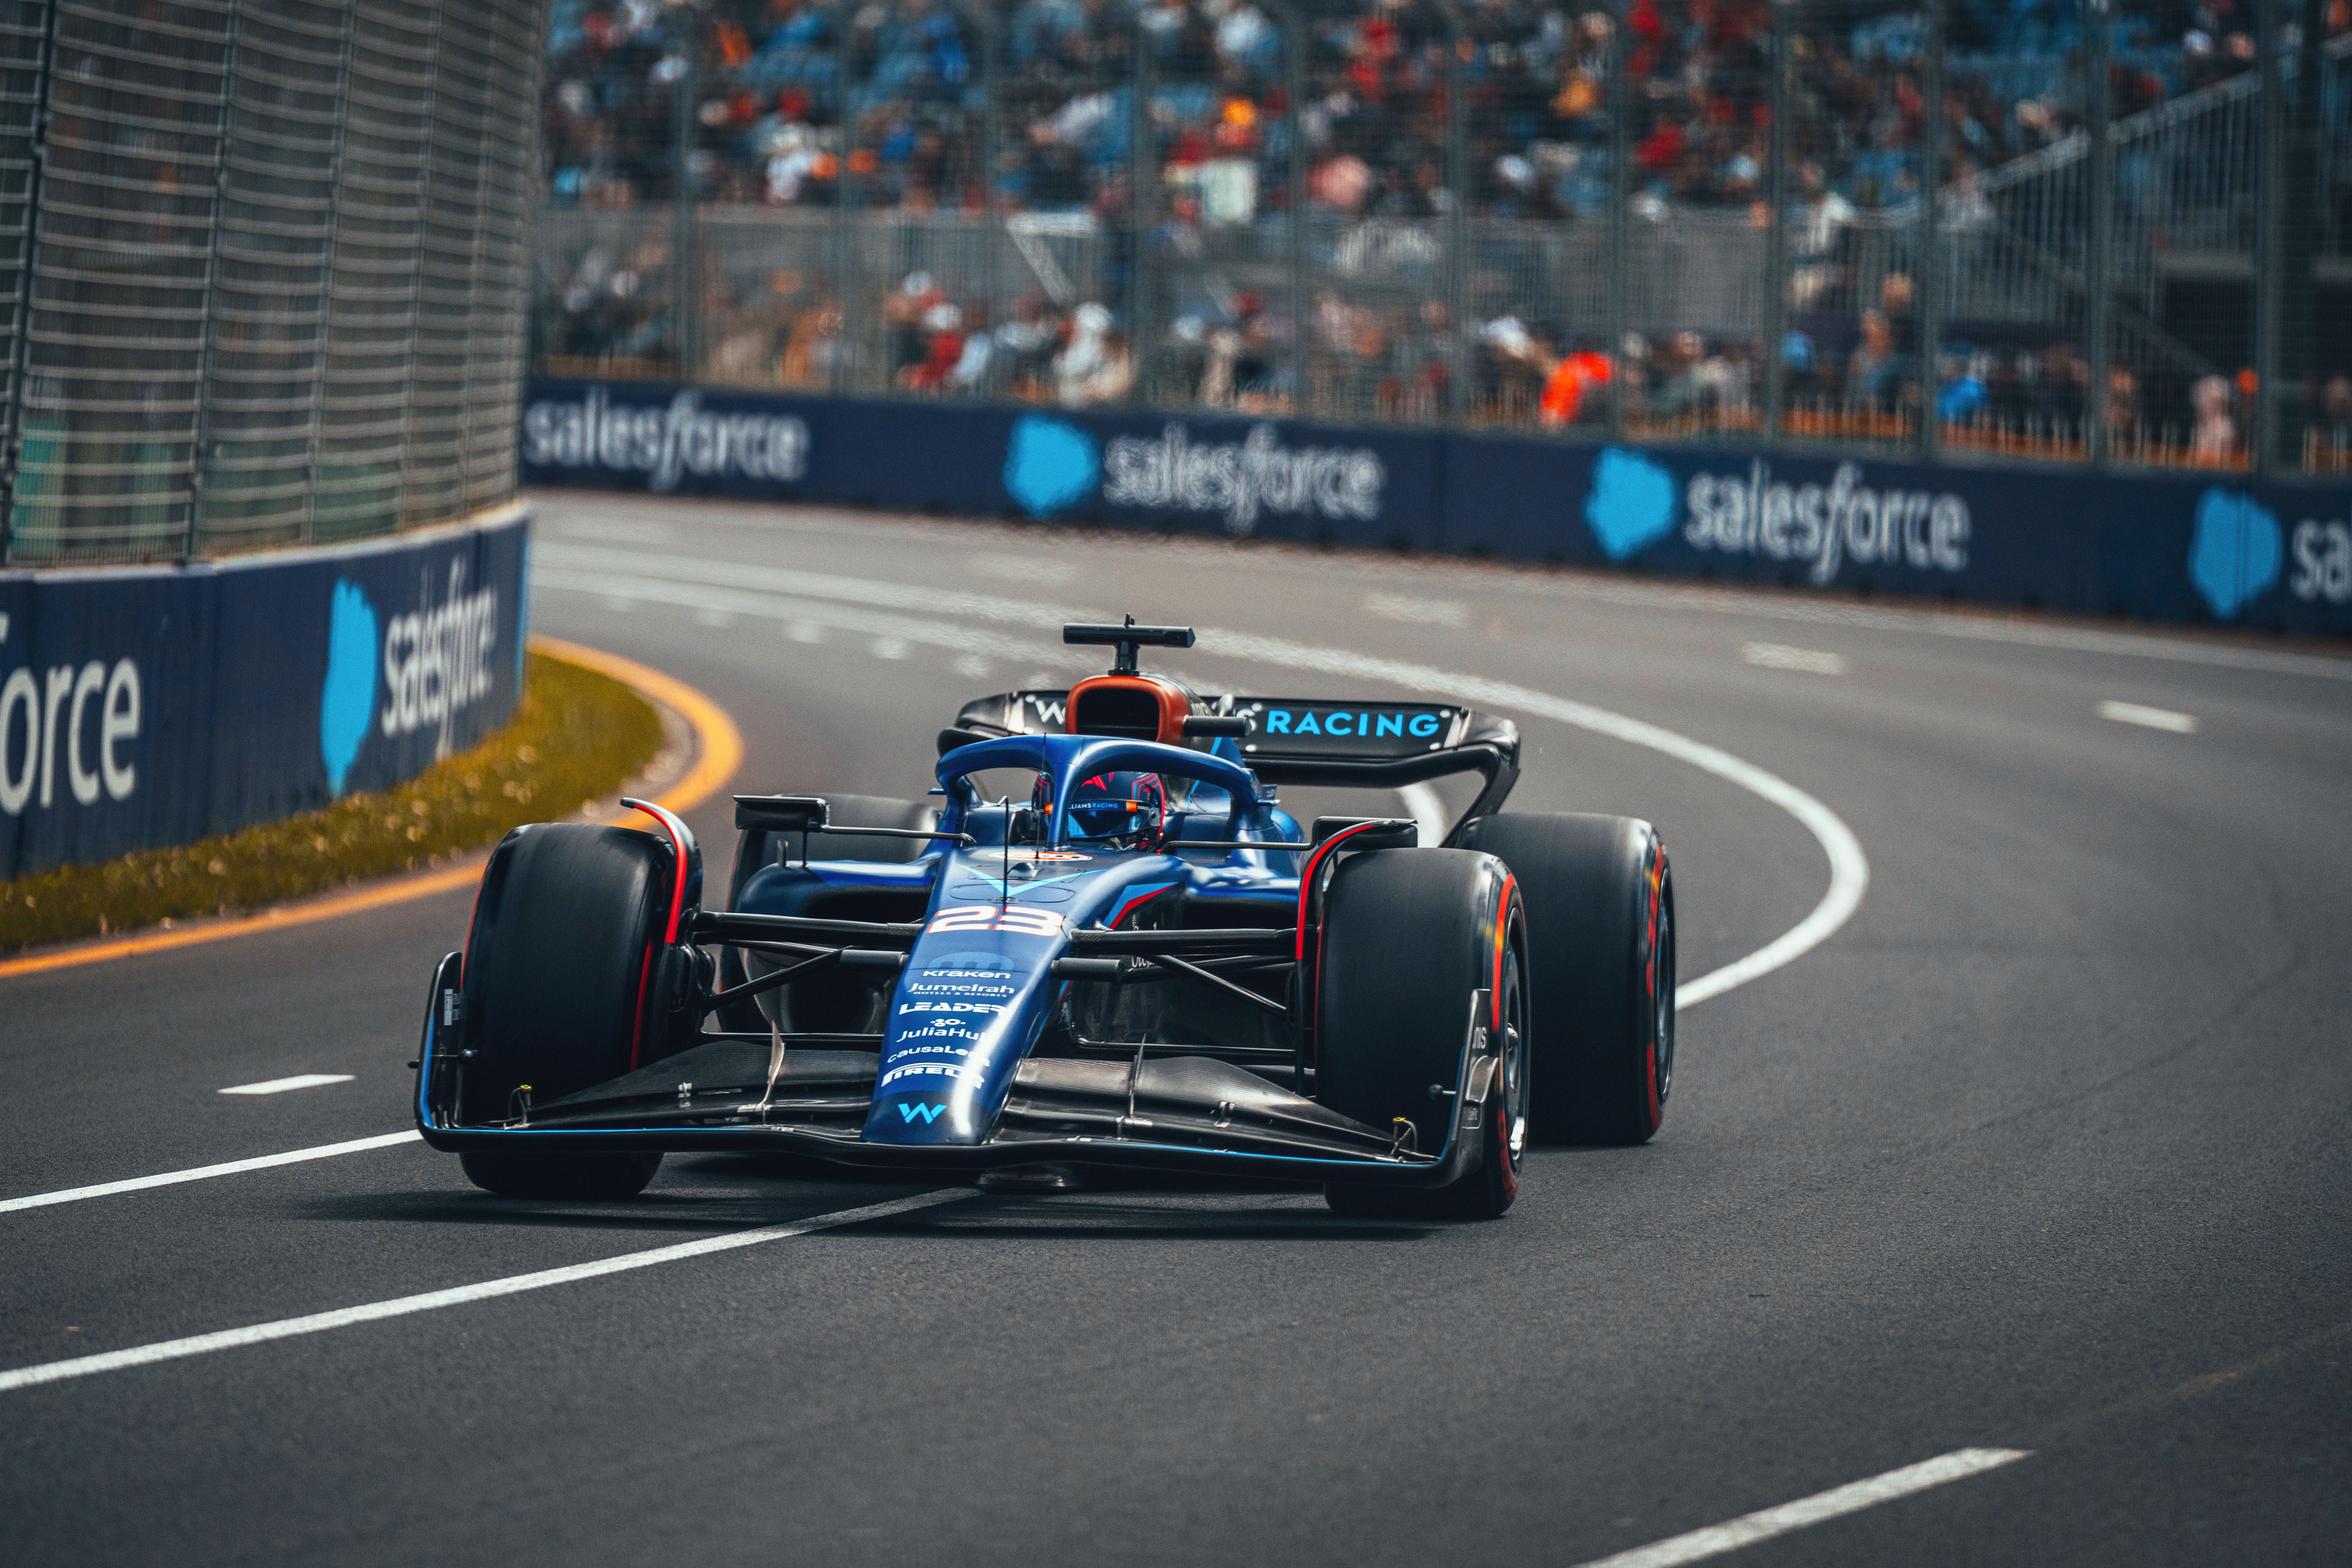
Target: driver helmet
x=1109, y=811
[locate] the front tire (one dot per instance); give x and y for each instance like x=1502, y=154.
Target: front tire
x=557, y=964
x=1408, y=935
x=573, y=1176
x=1600, y=906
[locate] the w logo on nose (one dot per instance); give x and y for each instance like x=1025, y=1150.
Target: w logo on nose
x=929, y=1113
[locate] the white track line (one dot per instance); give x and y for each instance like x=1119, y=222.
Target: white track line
x=281, y=1085
x=594, y=570
x=204, y=1173
x=1973, y=625
x=2149, y=718
x=1781, y=656
x=434, y=1300
x=1749, y=1528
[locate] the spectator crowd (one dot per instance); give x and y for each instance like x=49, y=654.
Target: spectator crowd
x=1021, y=120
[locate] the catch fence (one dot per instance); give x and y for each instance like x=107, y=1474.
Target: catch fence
x=1588, y=224
x=263, y=270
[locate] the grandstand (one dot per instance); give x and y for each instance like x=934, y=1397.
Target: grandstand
x=1668, y=219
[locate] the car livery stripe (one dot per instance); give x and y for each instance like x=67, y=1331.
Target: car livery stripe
x=677, y=832
x=1307, y=881
x=1144, y=897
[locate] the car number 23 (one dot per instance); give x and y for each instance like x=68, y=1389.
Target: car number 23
x=1015, y=917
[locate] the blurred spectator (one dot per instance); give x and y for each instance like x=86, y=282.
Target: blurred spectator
x=1681, y=389
x=2215, y=438
x=2124, y=414
x=1960, y=393
x=970, y=373
x=1876, y=371
x=813, y=350
x=1026, y=345
x=1578, y=386
x=940, y=332
x=2336, y=401
x=1240, y=358
x=1098, y=364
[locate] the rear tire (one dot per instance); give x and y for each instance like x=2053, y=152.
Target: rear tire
x=556, y=967
x=1408, y=934
x=1600, y=909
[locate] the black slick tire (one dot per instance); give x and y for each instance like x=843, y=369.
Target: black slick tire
x=1601, y=916
x=556, y=967
x=1408, y=935
x=564, y=1176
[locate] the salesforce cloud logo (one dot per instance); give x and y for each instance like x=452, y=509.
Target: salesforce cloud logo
x=347, y=706
x=2237, y=552
x=1631, y=505
x=1051, y=464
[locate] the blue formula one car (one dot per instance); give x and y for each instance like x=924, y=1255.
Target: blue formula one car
x=1131, y=956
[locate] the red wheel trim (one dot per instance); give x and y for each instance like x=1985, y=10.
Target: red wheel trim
x=1502, y=940
x=1502, y=1107
x=1654, y=881
x=1307, y=881
x=676, y=831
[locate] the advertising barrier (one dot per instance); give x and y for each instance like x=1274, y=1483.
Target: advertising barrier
x=142, y=707
x=2219, y=548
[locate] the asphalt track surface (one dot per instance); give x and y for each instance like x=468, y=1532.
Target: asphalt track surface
x=2047, y=1148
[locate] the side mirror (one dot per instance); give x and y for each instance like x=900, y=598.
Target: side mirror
x=779, y=813
x=951, y=739
x=1025, y=826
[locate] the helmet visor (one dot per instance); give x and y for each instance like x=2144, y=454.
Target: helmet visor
x=1108, y=821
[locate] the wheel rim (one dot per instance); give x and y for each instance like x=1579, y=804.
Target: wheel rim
x=1662, y=994
x=1515, y=1053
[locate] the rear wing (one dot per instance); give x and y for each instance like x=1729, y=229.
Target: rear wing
x=1311, y=740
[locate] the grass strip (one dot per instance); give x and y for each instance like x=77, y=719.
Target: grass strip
x=576, y=737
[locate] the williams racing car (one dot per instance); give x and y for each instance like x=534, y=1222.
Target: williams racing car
x=1131, y=956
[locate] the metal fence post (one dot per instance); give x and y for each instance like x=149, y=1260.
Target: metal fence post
x=12, y=433
x=2100, y=235
x=2263, y=431
x=1775, y=251
x=408, y=458
x=1142, y=204
x=1294, y=92
x=685, y=278
x=1621, y=192
x=1929, y=308
x=201, y=427
x=1458, y=359
x=844, y=282
x=991, y=237
x=2298, y=248
x=310, y=525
